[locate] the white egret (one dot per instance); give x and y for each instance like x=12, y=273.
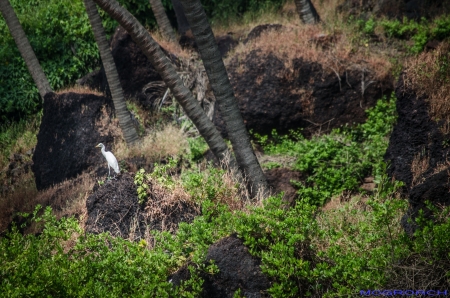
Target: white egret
x=111, y=159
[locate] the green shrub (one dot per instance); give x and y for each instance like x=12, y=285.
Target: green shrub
x=420, y=32
x=197, y=148
x=61, y=37
x=340, y=160
x=368, y=27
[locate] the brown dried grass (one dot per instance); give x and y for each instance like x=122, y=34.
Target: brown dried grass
x=350, y=209
x=419, y=271
x=80, y=90
x=428, y=76
x=333, y=43
x=66, y=199
x=333, y=51
x=21, y=199
x=166, y=201
x=172, y=47
x=168, y=141
x=419, y=166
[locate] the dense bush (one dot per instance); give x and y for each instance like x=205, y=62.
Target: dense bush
x=340, y=160
x=61, y=37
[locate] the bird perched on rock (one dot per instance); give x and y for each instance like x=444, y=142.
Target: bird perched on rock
x=111, y=159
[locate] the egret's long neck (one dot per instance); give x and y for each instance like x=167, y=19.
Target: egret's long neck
x=103, y=150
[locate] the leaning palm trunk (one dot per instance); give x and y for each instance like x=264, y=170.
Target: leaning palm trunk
x=129, y=131
x=307, y=12
x=183, y=25
x=162, y=20
x=223, y=91
x=25, y=49
x=168, y=73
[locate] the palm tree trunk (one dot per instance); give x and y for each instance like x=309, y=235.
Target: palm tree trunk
x=162, y=20
x=223, y=91
x=25, y=48
x=307, y=12
x=168, y=73
x=183, y=25
x=126, y=125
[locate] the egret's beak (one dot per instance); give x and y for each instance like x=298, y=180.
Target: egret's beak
x=97, y=146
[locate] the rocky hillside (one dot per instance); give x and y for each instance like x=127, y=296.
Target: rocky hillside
x=349, y=123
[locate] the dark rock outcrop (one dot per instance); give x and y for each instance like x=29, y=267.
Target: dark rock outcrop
x=237, y=270
x=226, y=43
x=312, y=98
x=114, y=208
x=72, y=124
x=418, y=153
x=279, y=179
x=413, y=9
x=135, y=70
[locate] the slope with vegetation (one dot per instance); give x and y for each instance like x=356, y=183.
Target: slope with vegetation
x=338, y=237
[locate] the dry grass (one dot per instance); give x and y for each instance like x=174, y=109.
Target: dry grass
x=21, y=199
x=284, y=161
x=418, y=271
x=80, y=90
x=19, y=139
x=66, y=199
x=441, y=166
x=331, y=43
x=419, y=166
x=172, y=47
x=168, y=204
x=106, y=125
x=333, y=51
x=428, y=75
x=351, y=210
x=168, y=141
x=165, y=204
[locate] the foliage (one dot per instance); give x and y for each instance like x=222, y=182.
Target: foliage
x=160, y=174
x=280, y=237
x=303, y=249
x=197, y=148
x=65, y=263
x=368, y=27
x=61, y=37
x=420, y=32
x=18, y=137
x=340, y=160
x=363, y=244
x=142, y=187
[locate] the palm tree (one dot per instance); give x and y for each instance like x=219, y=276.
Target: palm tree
x=307, y=12
x=183, y=25
x=168, y=73
x=223, y=91
x=129, y=131
x=162, y=20
x=25, y=48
